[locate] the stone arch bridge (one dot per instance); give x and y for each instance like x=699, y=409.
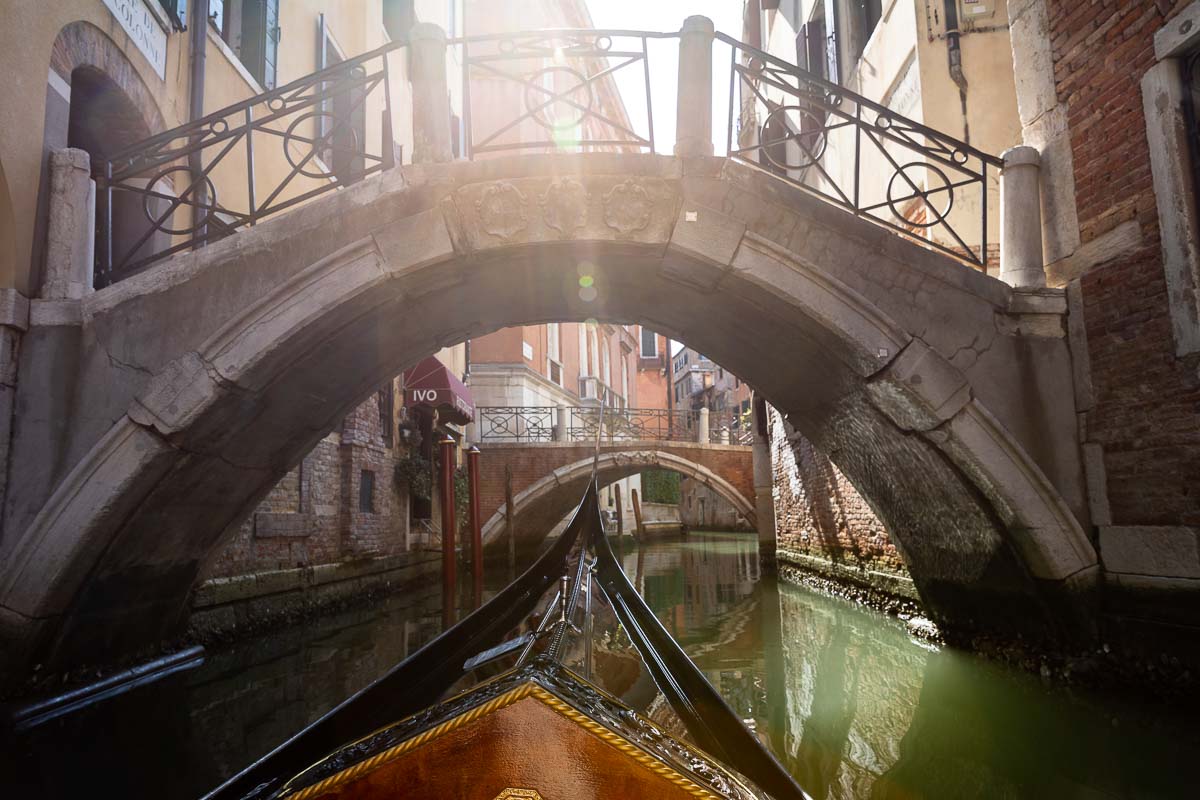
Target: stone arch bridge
x=154, y=414
x=548, y=478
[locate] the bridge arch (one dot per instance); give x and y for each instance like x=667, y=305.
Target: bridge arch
x=542, y=504
x=895, y=360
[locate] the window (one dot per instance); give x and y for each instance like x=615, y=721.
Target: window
x=251, y=29
x=366, y=492
x=553, y=353
x=177, y=11
x=387, y=410
x=341, y=122
x=649, y=343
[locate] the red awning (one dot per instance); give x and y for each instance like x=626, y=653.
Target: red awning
x=430, y=385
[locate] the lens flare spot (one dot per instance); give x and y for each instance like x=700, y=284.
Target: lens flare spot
x=591, y=322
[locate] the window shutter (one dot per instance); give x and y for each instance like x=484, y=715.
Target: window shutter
x=832, y=73
x=815, y=60
x=177, y=11
x=271, y=43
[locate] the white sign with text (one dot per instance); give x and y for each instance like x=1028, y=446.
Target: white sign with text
x=144, y=29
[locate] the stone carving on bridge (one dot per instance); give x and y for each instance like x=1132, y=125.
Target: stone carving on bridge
x=627, y=207
x=501, y=210
x=565, y=206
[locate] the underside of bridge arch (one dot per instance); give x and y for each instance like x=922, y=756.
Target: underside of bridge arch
x=890, y=358
x=544, y=503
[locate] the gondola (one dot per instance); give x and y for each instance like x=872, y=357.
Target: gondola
x=534, y=728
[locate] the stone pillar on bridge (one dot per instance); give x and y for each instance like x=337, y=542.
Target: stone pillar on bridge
x=71, y=229
x=562, y=428
x=47, y=359
x=764, y=497
x=431, y=100
x=693, y=114
x=1021, y=262
x=702, y=427
x=724, y=436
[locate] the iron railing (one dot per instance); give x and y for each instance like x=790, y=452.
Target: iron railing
x=565, y=80
x=319, y=141
x=515, y=423
x=535, y=424
x=863, y=156
x=200, y=181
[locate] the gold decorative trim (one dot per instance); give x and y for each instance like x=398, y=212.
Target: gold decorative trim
x=561, y=707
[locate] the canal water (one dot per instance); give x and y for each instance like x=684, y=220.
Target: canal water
x=851, y=703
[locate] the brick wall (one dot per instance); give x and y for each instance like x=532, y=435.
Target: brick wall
x=818, y=513
x=313, y=516
x=1147, y=402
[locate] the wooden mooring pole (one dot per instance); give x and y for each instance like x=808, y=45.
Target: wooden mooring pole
x=637, y=515
x=449, y=593
x=510, y=530
x=476, y=528
x=620, y=516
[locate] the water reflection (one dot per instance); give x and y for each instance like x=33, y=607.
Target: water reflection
x=856, y=708
x=846, y=698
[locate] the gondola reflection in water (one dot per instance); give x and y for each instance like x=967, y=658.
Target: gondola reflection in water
x=520, y=723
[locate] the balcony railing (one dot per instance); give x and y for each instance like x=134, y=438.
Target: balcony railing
x=528, y=92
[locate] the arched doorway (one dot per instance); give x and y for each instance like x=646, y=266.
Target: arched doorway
x=96, y=102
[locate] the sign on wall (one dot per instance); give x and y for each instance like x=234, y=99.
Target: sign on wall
x=144, y=29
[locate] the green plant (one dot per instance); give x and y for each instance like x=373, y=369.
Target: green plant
x=660, y=486
x=417, y=474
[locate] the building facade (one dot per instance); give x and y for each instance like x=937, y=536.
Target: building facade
x=945, y=64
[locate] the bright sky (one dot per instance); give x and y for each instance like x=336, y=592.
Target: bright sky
x=668, y=15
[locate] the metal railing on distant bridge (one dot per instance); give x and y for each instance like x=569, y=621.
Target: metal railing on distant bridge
x=333, y=128
x=543, y=424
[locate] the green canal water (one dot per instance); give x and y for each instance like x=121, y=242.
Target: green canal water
x=851, y=703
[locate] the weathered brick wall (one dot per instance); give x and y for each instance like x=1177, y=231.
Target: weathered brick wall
x=1147, y=402
x=819, y=513
x=312, y=515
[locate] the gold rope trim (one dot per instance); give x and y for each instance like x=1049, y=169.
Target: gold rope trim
x=614, y=740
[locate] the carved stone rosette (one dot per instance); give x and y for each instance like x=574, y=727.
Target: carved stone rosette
x=565, y=206
x=627, y=207
x=501, y=210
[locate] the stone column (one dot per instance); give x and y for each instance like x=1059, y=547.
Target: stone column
x=562, y=430
x=764, y=498
x=693, y=114
x=702, y=427
x=724, y=437
x=431, y=100
x=1021, y=263
x=71, y=228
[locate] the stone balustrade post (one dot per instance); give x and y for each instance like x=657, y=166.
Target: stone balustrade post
x=693, y=115
x=702, y=427
x=724, y=435
x=1021, y=262
x=562, y=430
x=71, y=228
x=431, y=101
